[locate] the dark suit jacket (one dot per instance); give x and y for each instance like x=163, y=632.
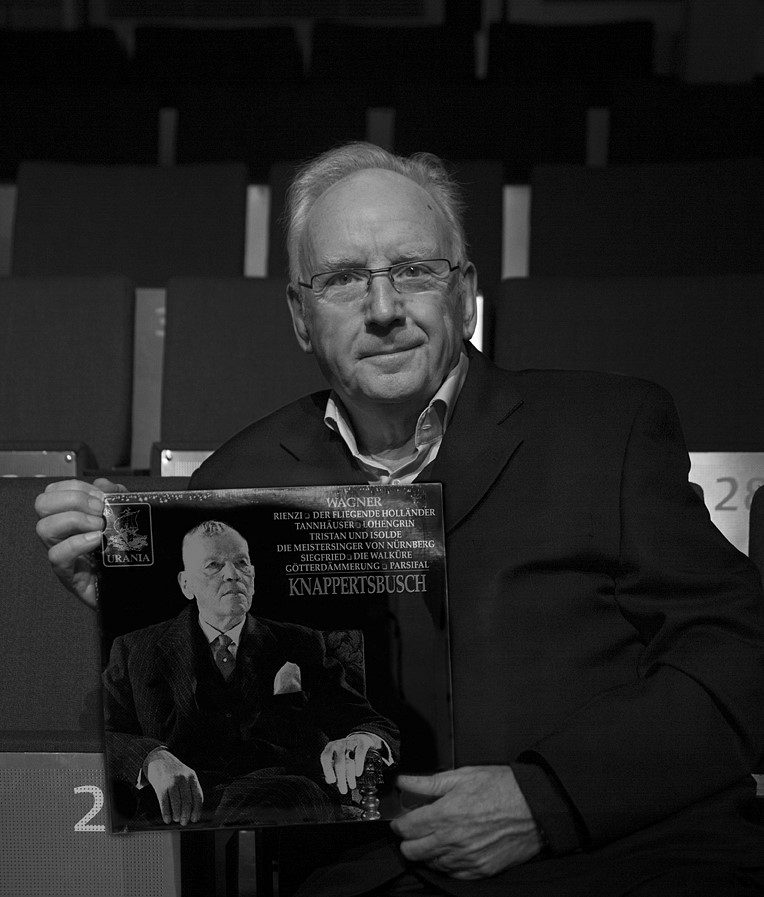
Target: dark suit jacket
x=150, y=687
x=607, y=641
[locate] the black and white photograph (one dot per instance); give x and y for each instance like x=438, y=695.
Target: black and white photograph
x=264, y=262
x=255, y=646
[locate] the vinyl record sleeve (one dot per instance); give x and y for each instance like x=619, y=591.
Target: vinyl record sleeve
x=346, y=633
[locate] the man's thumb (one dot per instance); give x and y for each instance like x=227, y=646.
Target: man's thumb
x=428, y=786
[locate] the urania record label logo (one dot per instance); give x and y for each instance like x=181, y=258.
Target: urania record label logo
x=127, y=540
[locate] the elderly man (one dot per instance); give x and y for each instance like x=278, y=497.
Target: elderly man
x=607, y=642
x=232, y=719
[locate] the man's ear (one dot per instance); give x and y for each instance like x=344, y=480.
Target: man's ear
x=469, y=300
x=299, y=322
x=184, y=585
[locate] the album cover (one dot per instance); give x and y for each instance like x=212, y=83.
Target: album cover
x=272, y=656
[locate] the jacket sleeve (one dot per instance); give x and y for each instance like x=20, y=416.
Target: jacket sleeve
x=691, y=722
x=336, y=708
x=126, y=747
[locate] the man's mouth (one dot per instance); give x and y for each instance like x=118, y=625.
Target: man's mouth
x=385, y=351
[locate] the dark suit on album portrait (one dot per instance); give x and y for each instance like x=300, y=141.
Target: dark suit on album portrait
x=254, y=738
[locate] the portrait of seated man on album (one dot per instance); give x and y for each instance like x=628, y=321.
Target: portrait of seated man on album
x=218, y=718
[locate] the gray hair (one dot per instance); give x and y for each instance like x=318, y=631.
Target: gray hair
x=316, y=176
x=207, y=528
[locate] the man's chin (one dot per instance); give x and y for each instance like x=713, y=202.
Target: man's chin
x=237, y=606
x=394, y=385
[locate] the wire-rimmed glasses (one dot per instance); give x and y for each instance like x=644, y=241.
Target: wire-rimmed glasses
x=352, y=284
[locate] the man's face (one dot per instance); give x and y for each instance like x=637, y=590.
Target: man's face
x=219, y=575
x=387, y=348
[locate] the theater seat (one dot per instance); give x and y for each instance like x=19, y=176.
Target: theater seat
x=596, y=53
x=668, y=120
x=53, y=819
x=756, y=531
x=661, y=219
x=700, y=337
x=170, y=58
x=521, y=125
x=77, y=123
x=230, y=357
x=143, y=221
x=66, y=364
x=218, y=123
x=348, y=53
x=756, y=554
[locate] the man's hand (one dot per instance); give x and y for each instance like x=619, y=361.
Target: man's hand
x=70, y=525
x=176, y=786
x=477, y=825
x=342, y=760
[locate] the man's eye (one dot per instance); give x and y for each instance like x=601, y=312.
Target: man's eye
x=414, y=271
x=344, y=278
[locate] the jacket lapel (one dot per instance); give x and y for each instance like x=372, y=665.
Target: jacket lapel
x=483, y=434
x=325, y=460
x=177, y=660
x=253, y=666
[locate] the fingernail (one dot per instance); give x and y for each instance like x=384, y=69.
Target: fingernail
x=95, y=505
x=92, y=537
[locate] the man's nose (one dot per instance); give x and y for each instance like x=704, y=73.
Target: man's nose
x=384, y=304
x=230, y=571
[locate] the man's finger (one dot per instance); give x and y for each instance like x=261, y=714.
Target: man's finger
x=73, y=486
x=164, y=807
x=434, y=785
x=63, y=520
x=63, y=554
x=422, y=850
x=106, y=485
x=467, y=874
x=78, y=497
x=414, y=824
x=186, y=801
x=198, y=800
x=327, y=763
x=63, y=503
x=361, y=750
x=341, y=770
x=176, y=801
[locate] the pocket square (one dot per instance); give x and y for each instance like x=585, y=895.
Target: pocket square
x=287, y=680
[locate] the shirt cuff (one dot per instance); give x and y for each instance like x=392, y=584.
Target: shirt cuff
x=560, y=826
x=142, y=780
x=385, y=753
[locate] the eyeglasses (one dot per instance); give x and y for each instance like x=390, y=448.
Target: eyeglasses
x=352, y=284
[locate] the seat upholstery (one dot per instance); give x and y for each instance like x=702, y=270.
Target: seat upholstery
x=658, y=219
x=143, y=221
x=49, y=642
x=66, y=363
x=230, y=357
x=700, y=337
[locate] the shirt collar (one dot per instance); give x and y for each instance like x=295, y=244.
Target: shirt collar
x=212, y=633
x=431, y=424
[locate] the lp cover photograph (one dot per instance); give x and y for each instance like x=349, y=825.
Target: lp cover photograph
x=272, y=656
